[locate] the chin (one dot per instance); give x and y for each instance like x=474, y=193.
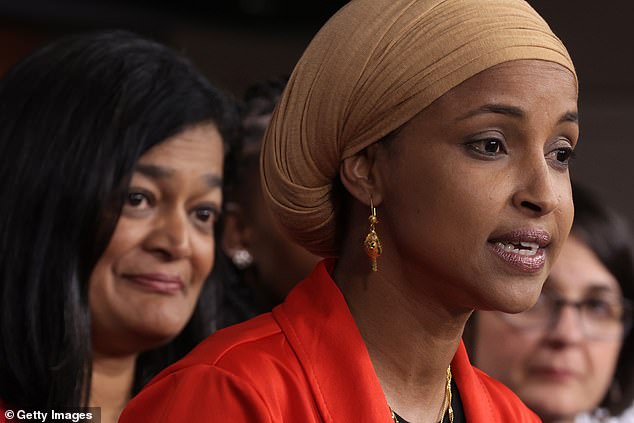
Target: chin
x=518, y=305
x=152, y=337
x=553, y=406
x=510, y=297
x=524, y=296
x=506, y=292
x=553, y=414
x=154, y=341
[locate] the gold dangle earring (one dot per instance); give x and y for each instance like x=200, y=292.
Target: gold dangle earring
x=448, y=395
x=372, y=242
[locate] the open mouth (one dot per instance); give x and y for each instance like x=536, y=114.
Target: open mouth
x=523, y=248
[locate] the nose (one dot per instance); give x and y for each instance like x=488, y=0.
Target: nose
x=536, y=194
x=170, y=237
x=567, y=327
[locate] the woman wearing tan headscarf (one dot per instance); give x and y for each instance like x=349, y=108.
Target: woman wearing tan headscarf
x=422, y=147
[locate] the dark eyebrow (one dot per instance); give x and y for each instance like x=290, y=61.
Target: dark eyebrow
x=159, y=172
x=501, y=109
x=513, y=111
x=153, y=171
x=570, y=117
x=600, y=288
x=595, y=290
x=213, y=181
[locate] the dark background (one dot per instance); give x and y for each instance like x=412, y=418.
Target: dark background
x=237, y=42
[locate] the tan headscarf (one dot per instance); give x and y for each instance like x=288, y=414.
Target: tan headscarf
x=371, y=68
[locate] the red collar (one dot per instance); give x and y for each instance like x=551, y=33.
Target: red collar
x=330, y=349
x=323, y=334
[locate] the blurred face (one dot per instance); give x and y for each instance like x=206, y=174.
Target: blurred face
x=281, y=263
x=558, y=369
x=476, y=196
x=278, y=263
x=146, y=284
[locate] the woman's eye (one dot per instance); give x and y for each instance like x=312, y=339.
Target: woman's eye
x=206, y=215
x=488, y=147
x=599, y=308
x=563, y=155
x=138, y=200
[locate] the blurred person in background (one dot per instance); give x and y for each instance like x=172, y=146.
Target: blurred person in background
x=266, y=264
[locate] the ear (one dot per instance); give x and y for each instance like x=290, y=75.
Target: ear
x=359, y=174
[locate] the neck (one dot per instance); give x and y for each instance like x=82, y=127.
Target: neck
x=410, y=334
x=111, y=386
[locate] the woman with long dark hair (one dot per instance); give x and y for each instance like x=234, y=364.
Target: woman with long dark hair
x=111, y=164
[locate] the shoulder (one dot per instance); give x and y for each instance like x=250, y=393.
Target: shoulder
x=504, y=401
x=485, y=399
x=238, y=350
x=197, y=393
x=234, y=374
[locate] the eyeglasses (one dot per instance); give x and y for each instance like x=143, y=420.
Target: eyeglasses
x=600, y=318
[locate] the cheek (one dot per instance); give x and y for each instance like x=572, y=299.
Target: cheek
x=502, y=352
x=565, y=210
x=440, y=197
x=100, y=285
x=124, y=239
x=127, y=236
x=473, y=195
x=203, y=258
x=120, y=250
x=604, y=358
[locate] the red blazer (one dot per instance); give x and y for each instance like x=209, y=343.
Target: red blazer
x=304, y=362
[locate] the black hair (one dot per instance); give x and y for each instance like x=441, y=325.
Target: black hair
x=238, y=299
x=259, y=100
x=609, y=236
x=75, y=117
x=257, y=105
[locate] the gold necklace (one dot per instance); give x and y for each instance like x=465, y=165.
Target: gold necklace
x=445, y=403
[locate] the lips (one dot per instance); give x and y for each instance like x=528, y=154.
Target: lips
x=553, y=374
x=157, y=282
x=522, y=249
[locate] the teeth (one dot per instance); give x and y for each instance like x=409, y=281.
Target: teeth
x=511, y=248
x=532, y=245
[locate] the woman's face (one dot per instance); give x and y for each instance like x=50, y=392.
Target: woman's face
x=145, y=286
x=476, y=198
x=280, y=262
x=558, y=370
